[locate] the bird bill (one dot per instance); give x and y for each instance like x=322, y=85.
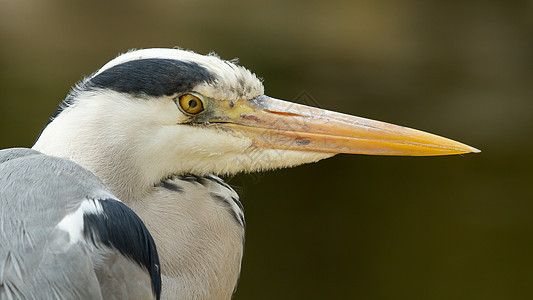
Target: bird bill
x=278, y=124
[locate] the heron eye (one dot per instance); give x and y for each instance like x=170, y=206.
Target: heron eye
x=191, y=104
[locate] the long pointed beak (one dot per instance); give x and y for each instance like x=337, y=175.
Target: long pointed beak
x=277, y=124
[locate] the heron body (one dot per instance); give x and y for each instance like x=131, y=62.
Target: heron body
x=157, y=125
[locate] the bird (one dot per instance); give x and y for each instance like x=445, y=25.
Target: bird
x=152, y=132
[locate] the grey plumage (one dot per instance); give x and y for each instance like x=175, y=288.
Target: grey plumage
x=39, y=259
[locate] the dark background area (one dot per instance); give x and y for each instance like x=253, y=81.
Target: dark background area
x=354, y=226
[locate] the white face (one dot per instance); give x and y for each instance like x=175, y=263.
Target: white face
x=155, y=137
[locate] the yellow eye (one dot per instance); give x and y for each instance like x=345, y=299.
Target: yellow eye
x=191, y=104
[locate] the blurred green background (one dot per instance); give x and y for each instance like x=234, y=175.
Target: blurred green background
x=350, y=227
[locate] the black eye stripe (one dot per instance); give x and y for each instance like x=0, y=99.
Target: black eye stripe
x=152, y=76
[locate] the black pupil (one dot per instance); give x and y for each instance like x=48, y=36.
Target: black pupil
x=192, y=103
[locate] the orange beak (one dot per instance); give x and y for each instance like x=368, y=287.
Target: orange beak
x=277, y=124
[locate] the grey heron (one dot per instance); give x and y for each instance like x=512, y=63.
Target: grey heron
x=157, y=126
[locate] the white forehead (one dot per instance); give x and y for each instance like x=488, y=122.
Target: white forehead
x=231, y=81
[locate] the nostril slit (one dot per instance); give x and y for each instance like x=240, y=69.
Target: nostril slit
x=283, y=113
x=302, y=142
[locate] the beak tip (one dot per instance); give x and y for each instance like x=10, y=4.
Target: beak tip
x=465, y=149
x=474, y=150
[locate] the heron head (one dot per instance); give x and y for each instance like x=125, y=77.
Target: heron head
x=190, y=113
